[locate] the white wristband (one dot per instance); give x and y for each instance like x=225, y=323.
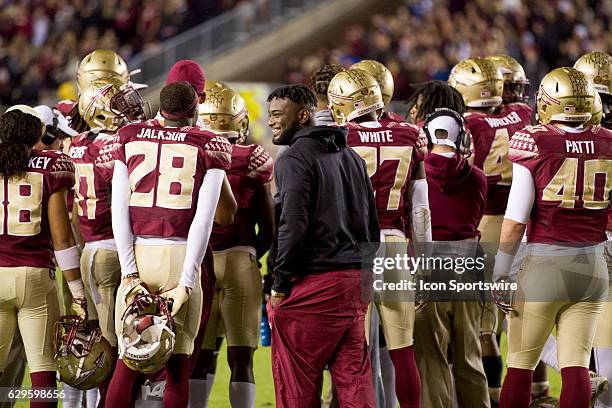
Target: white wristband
x=77, y=289
x=69, y=258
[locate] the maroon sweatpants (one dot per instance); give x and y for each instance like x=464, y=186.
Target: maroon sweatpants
x=322, y=323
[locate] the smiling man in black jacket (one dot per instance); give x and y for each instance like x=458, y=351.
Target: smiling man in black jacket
x=328, y=233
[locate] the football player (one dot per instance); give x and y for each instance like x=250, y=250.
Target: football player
x=493, y=90
x=562, y=170
x=191, y=72
x=597, y=66
x=34, y=220
x=238, y=247
x=105, y=105
x=394, y=157
x=166, y=185
x=380, y=356
x=56, y=130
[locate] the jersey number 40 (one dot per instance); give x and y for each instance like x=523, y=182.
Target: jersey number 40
x=564, y=185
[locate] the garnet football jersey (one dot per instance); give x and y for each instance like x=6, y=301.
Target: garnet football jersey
x=251, y=168
x=166, y=168
x=491, y=134
x=93, y=164
x=388, y=117
x=573, y=179
x=25, y=237
x=392, y=153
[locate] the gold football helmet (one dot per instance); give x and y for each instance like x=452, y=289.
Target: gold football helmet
x=597, y=113
x=516, y=84
x=84, y=358
x=224, y=111
x=479, y=81
x=597, y=66
x=101, y=64
x=147, y=334
x=565, y=95
x=381, y=74
x=107, y=103
x=353, y=93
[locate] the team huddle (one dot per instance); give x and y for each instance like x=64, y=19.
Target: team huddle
x=158, y=223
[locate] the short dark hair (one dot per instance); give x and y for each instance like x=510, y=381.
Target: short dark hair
x=435, y=95
x=320, y=79
x=297, y=93
x=176, y=97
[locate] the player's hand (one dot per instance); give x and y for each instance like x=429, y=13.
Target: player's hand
x=79, y=308
x=503, y=300
x=421, y=300
x=131, y=288
x=176, y=298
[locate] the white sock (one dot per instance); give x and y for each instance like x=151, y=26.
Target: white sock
x=387, y=372
x=197, y=394
x=93, y=396
x=73, y=398
x=242, y=395
x=603, y=364
x=210, y=380
x=549, y=353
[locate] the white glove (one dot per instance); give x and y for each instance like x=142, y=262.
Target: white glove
x=79, y=307
x=176, y=298
x=133, y=288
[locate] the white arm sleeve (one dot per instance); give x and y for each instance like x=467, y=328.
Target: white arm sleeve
x=421, y=216
x=122, y=227
x=201, y=226
x=522, y=195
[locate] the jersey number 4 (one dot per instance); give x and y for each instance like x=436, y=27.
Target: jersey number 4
x=374, y=159
x=21, y=207
x=497, y=162
x=563, y=185
x=176, y=164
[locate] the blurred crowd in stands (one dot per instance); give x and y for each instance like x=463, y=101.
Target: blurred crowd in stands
x=42, y=41
x=425, y=38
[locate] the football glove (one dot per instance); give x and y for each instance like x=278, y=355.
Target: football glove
x=176, y=298
x=133, y=288
x=503, y=300
x=421, y=300
x=79, y=308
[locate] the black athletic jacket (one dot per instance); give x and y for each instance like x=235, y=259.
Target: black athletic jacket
x=328, y=216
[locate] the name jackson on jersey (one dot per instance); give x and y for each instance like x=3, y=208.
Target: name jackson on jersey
x=158, y=134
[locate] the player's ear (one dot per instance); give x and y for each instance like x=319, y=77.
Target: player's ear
x=305, y=117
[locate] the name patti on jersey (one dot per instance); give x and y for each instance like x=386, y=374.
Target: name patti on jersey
x=382, y=136
x=511, y=119
x=148, y=133
x=583, y=146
